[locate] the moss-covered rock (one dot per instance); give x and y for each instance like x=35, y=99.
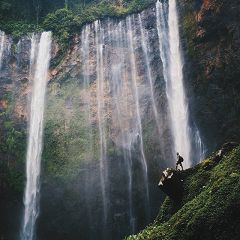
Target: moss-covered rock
x=210, y=207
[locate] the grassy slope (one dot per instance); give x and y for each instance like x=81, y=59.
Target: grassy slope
x=210, y=208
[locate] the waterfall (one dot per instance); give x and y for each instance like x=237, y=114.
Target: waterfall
x=33, y=52
x=163, y=39
x=199, y=146
x=133, y=109
x=34, y=150
x=2, y=45
x=144, y=43
x=119, y=85
x=99, y=38
x=177, y=100
x=108, y=56
x=132, y=57
x=169, y=46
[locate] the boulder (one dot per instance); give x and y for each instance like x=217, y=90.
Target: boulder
x=171, y=184
x=227, y=147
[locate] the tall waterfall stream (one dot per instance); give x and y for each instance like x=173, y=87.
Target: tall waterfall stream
x=34, y=150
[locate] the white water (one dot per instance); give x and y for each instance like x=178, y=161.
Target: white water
x=33, y=52
x=99, y=39
x=143, y=161
x=200, y=147
x=85, y=55
x=117, y=96
x=119, y=82
x=34, y=150
x=145, y=46
x=162, y=30
x=169, y=44
x=177, y=99
x=2, y=45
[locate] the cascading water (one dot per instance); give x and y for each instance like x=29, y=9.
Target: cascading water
x=127, y=89
x=108, y=56
x=2, y=43
x=134, y=77
x=99, y=38
x=177, y=100
x=117, y=37
x=146, y=53
x=144, y=42
x=33, y=52
x=199, y=146
x=34, y=150
x=169, y=44
x=85, y=53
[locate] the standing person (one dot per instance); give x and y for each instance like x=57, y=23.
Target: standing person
x=179, y=161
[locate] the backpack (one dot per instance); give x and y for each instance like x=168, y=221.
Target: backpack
x=181, y=159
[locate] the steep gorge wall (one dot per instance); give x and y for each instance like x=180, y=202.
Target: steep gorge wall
x=211, y=41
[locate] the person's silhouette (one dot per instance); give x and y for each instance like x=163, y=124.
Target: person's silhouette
x=179, y=161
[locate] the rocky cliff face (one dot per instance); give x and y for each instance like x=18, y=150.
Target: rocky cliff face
x=210, y=33
x=13, y=101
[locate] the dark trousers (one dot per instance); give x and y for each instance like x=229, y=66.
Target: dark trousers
x=179, y=163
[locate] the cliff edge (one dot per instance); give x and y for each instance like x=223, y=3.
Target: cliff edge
x=210, y=204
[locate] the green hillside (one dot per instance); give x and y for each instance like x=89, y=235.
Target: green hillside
x=209, y=208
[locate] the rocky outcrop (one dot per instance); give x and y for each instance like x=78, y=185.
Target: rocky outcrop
x=226, y=148
x=209, y=208
x=171, y=184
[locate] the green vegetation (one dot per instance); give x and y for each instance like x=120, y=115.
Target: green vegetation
x=66, y=22
x=190, y=29
x=210, y=207
x=19, y=28
x=12, y=148
x=67, y=142
x=63, y=18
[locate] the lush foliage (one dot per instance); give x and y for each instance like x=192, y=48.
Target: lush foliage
x=12, y=148
x=209, y=209
x=18, y=28
x=63, y=17
x=66, y=22
x=67, y=139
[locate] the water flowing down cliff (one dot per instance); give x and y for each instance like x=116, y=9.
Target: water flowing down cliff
x=34, y=151
x=170, y=50
x=116, y=114
x=5, y=46
x=175, y=89
x=123, y=114
x=2, y=41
